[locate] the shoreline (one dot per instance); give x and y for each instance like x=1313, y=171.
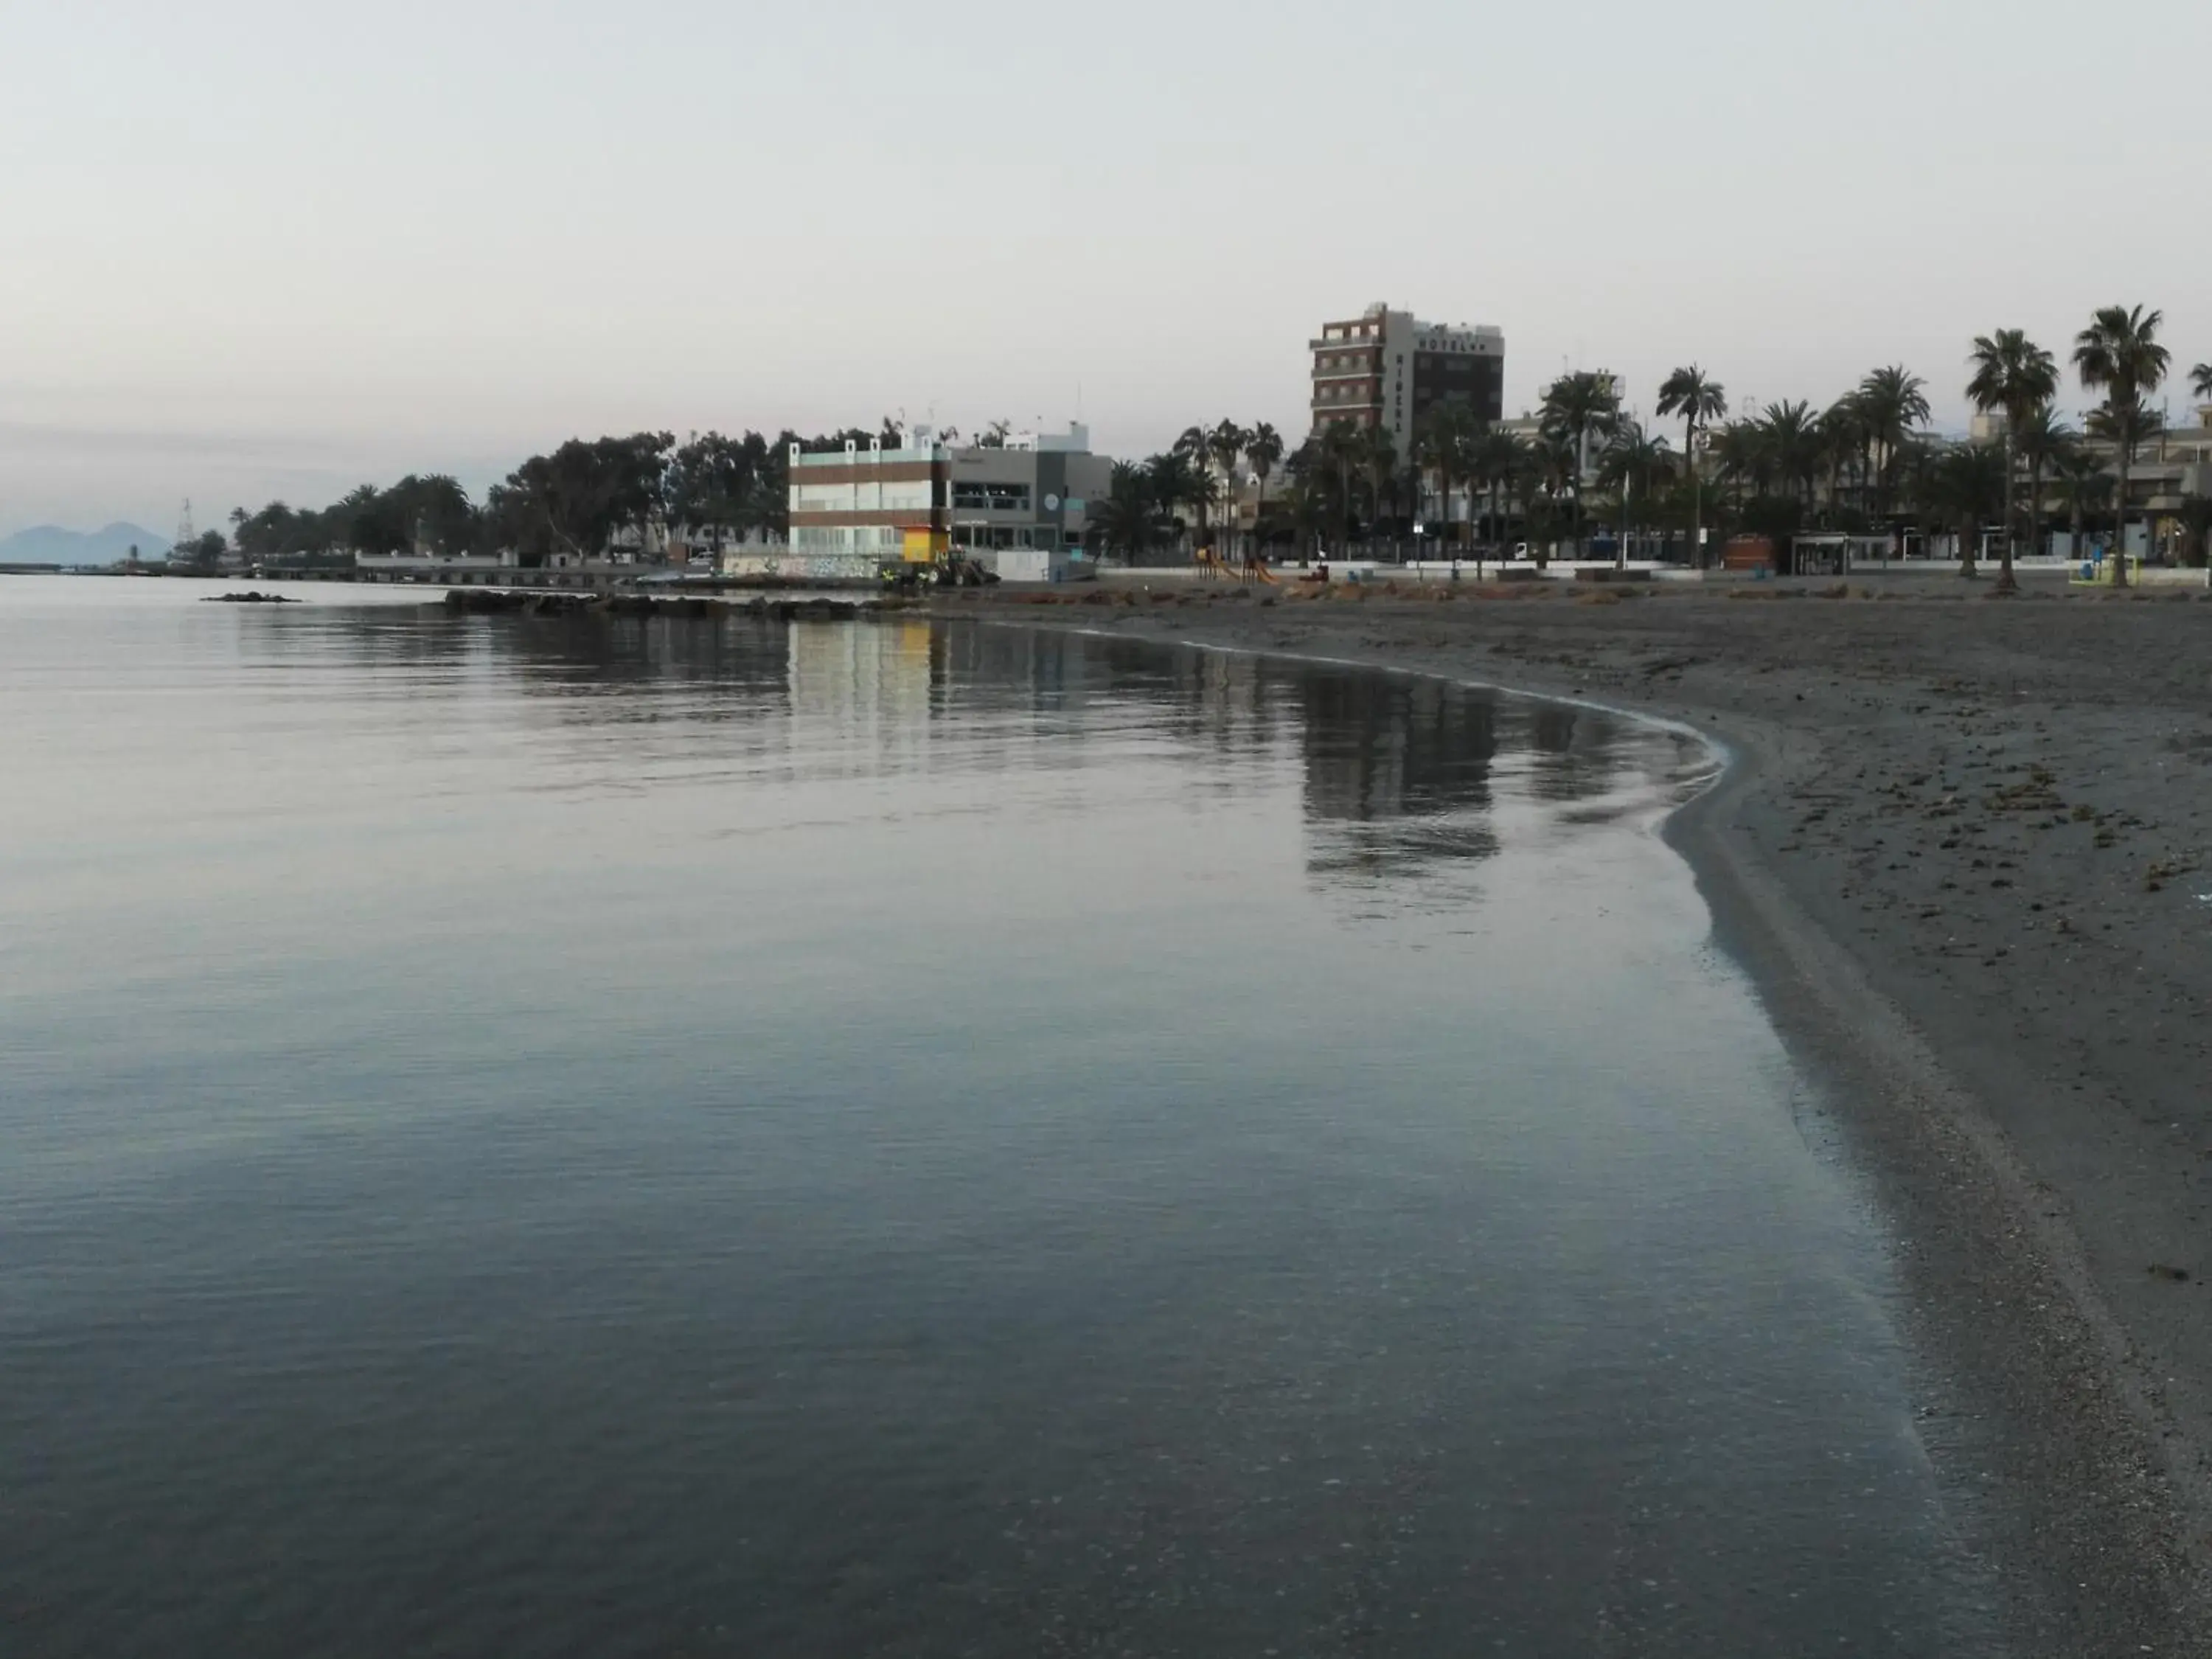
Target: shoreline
x=2065, y=1439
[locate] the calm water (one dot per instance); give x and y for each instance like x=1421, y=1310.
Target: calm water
x=529, y=1137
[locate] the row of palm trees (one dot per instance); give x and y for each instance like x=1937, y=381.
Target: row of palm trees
x=1864, y=465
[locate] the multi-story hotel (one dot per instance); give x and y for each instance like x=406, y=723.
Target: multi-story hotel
x=1033, y=492
x=1388, y=368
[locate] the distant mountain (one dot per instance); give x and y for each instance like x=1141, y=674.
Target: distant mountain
x=47, y=544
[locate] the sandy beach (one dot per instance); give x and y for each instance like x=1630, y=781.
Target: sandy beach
x=1965, y=848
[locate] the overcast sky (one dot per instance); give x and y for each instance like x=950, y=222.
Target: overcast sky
x=260, y=248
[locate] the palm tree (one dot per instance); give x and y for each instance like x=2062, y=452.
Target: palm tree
x=1129, y=517
x=1224, y=445
x=1379, y=454
x=2118, y=354
x=1263, y=448
x=2200, y=380
x=1577, y=409
x=1553, y=466
x=1893, y=402
x=1446, y=445
x=1968, y=488
x=2197, y=529
x=2015, y=376
x=1744, y=460
x=1794, y=444
x=1700, y=402
x=1192, y=447
x=1170, y=477
x=1633, y=464
x=2083, y=483
x=1342, y=443
x=1842, y=432
x=2042, y=441
x=1496, y=461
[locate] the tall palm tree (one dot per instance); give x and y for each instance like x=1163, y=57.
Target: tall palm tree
x=2118, y=354
x=1893, y=402
x=2014, y=376
x=1842, y=431
x=1497, y=462
x=1263, y=449
x=1634, y=463
x=1446, y=446
x=1224, y=446
x=1579, y=409
x=1554, y=466
x=1378, y=454
x=1191, y=447
x=1699, y=401
x=1172, y=476
x=2200, y=380
x=2042, y=441
x=1342, y=443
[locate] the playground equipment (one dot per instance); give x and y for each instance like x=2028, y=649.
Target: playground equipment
x=1213, y=568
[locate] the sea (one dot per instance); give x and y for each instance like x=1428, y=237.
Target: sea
x=611, y=1136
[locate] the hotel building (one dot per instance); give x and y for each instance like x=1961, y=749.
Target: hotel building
x=1388, y=368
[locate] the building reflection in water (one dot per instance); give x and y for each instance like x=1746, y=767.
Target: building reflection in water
x=1395, y=774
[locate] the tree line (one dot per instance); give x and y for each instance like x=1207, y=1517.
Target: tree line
x=1865, y=465
x=577, y=500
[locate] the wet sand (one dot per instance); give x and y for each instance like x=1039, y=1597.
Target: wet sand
x=1964, y=847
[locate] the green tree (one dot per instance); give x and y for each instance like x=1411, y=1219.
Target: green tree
x=1496, y=463
x=1966, y=488
x=1579, y=410
x=1445, y=446
x=2200, y=380
x=1378, y=454
x=2084, y=487
x=1747, y=458
x=715, y=485
x=1635, y=464
x=1224, y=446
x=2118, y=354
x=1197, y=487
x=1893, y=402
x=1699, y=400
x=1843, y=445
x=1174, y=483
x=1263, y=449
x=1552, y=473
x=1130, y=519
x=2042, y=441
x=1343, y=447
x=2013, y=376
x=1791, y=435
x=203, y=552
x=2197, y=527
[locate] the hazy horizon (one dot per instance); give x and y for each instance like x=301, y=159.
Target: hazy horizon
x=258, y=253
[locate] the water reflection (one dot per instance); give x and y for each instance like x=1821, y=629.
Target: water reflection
x=537, y=1136
x=1397, y=773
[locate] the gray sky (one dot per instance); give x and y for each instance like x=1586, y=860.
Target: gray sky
x=251, y=247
